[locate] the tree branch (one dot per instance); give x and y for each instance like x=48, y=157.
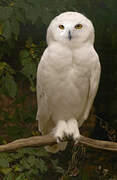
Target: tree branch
x=49, y=140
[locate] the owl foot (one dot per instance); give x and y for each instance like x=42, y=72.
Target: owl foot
x=67, y=130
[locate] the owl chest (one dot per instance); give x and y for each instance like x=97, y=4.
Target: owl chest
x=62, y=71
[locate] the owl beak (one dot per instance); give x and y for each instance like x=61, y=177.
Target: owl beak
x=69, y=35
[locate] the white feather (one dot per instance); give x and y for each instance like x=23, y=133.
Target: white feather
x=67, y=77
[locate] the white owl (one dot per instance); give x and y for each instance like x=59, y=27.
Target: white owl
x=67, y=77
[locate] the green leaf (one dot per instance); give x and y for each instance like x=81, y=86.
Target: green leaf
x=25, y=61
x=18, y=168
x=29, y=70
x=5, y=171
x=21, y=177
x=24, y=54
x=42, y=166
x=27, y=150
x=10, y=176
x=4, y=163
x=24, y=163
x=6, y=156
x=42, y=152
x=10, y=85
x=16, y=156
x=33, y=172
x=9, y=69
x=31, y=160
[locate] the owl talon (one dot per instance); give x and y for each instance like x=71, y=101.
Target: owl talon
x=67, y=131
x=70, y=137
x=76, y=141
x=58, y=139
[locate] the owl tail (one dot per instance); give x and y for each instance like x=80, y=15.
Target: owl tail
x=57, y=147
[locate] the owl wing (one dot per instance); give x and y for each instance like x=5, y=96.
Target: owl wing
x=94, y=82
x=43, y=113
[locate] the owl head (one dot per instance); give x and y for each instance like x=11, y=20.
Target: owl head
x=71, y=29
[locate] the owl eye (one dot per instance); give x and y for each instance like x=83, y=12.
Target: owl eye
x=78, y=26
x=61, y=26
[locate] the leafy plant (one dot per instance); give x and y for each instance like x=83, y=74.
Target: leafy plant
x=29, y=58
x=8, y=84
x=27, y=163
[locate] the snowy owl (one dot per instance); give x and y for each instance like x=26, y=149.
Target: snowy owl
x=67, y=78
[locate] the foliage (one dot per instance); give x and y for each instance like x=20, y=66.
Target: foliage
x=27, y=164
x=29, y=60
x=7, y=81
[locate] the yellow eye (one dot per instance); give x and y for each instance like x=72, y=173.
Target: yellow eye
x=78, y=26
x=61, y=26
